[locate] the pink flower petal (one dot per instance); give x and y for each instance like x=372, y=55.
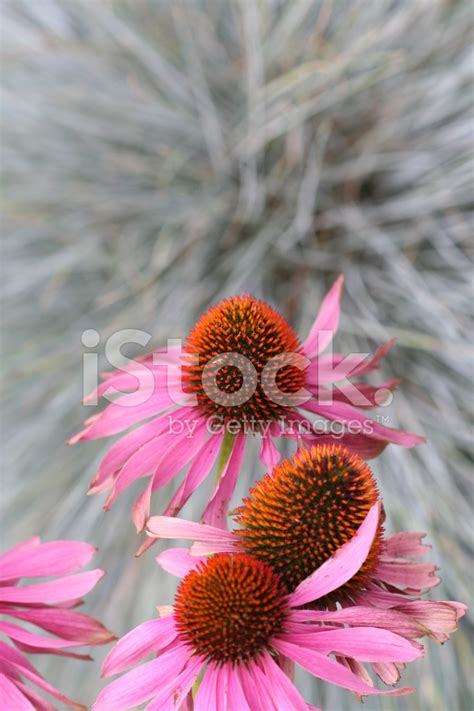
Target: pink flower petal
x=251, y=688
x=140, y=684
x=366, y=644
x=206, y=697
x=18, y=634
x=405, y=544
x=438, y=619
x=178, y=561
x=416, y=576
x=73, y=626
x=392, y=620
x=346, y=414
x=122, y=414
x=269, y=454
x=342, y=566
x=34, y=677
x=169, y=527
x=198, y=470
x=155, y=456
x=11, y=696
x=38, y=701
x=327, y=321
x=54, y=558
x=329, y=670
x=215, y=513
x=363, y=445
x=388, y=672
x=280, y=686
x=236, y=693
x=324, y=370
x=150, y=636
x=127, y=445
x=170, y=696
x=74, y=586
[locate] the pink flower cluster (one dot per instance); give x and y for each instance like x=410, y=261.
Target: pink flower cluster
x=353, y=607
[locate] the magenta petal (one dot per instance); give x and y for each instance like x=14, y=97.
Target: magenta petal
x=405, y=544
x=346, y=414
x=282, y=687
x=357, y=615
x=178, y=561
x=249, y=679
x=11, y=696
x=34, y=677
x=329, y=670
x=38, y=701
x=60, y=590
x=140, y=684
x=416, y=576
x=366, y=644
x=215, y=513
x=18, y=634
x=342, y=566
x=327, y=321
x=269, y=454
x=206, y=697
x=151, y=636
x=169, y=527
x=53, y=558
x=169, y=697
x=73, y=626
x=236, y=693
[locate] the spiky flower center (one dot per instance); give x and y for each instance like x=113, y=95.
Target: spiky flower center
x=297, y=517
x=240, y=362
x=229, y=607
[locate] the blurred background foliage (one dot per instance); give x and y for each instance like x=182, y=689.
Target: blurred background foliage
x=158, y=155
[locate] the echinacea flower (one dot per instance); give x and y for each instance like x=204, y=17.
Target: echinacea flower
x=47, y=605
x=295, y=518
x=242, y=371
x=235, y=624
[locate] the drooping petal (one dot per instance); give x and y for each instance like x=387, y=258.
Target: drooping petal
x=342, y=566
x=405, y=544
x=269, y=454
x=250, y=685
x=18, y=634
x=279, y=684
x=329, y=670
x=121, y=451
x=52, y=558
x=347, y=415
x=68, y=588
x=170, y=697
x=358, y=615
x=155, y=457
x=169, y=527
x=122, y=414
x=327, y=321
x=366, y=644
x=178, y=561
x=140, y=684
x=71, y=625
x=236, y=693
x=408, y=574
x=215, y=513
x=206, y=697
x=151, y=636
x=31, y=674
x=11, y=696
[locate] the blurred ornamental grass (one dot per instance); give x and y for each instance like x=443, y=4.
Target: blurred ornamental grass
x=160, y=155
